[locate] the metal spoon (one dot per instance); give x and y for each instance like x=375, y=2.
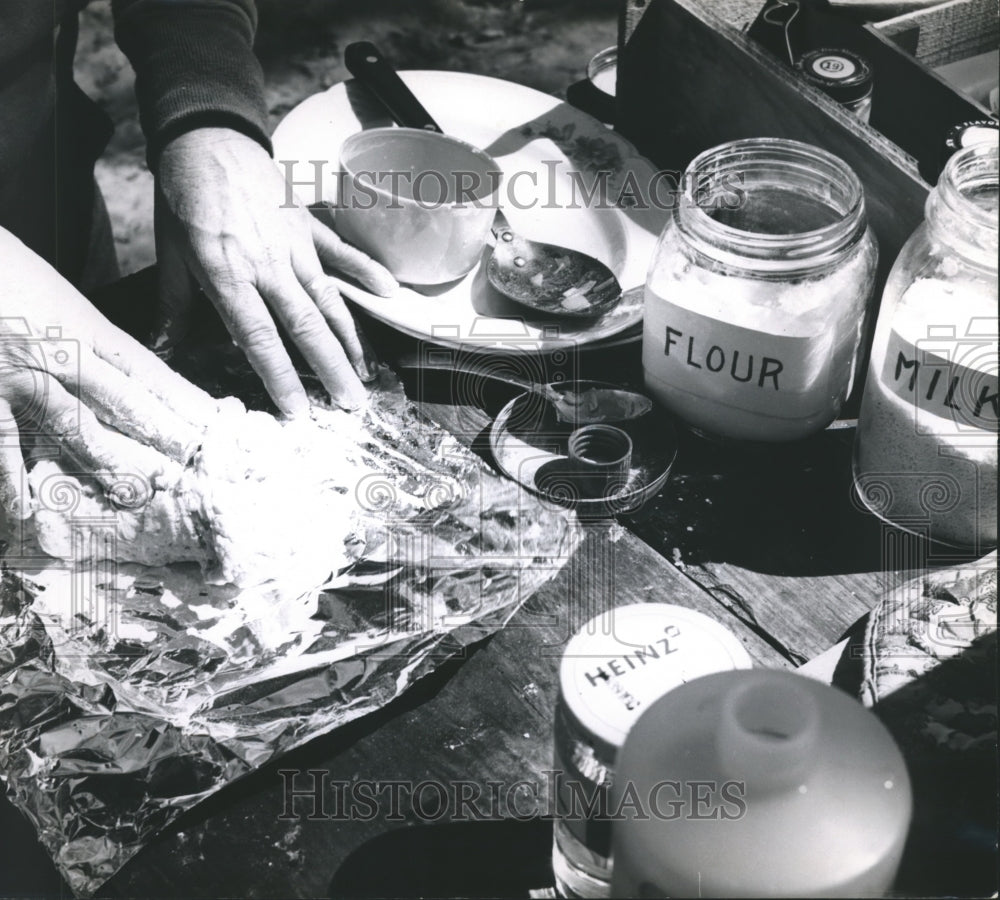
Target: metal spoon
x=575, y=403
x=542, y=277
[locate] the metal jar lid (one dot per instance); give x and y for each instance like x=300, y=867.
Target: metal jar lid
x=602, y=70
x=841, y=74
x=624, y=659
x=965, y=134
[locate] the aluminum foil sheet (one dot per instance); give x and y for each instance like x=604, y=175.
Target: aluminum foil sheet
x=129, y=694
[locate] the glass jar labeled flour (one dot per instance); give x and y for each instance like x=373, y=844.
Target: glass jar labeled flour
x=926, y=447
x=756, y=296
x=615, y=666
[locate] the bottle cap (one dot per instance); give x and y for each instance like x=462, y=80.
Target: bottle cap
x=965, y=134
x=628, y=657
x=842, y=75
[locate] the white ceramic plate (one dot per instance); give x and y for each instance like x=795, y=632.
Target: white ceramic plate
x=551, y=154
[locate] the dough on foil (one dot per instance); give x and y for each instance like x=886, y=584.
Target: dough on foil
x=260, y=501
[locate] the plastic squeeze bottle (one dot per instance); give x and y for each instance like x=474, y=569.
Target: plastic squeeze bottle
x=758, y=784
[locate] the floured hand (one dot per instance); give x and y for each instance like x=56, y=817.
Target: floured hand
x=67, y=374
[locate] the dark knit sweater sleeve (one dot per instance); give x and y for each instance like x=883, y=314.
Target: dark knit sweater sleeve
x=194, y=66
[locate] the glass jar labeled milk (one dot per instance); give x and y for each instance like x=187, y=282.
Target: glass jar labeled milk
x=757, y=292
x=926, y=447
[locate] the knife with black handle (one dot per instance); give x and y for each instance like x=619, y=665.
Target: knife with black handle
x=366, y=63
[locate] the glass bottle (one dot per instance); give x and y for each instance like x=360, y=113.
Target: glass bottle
x=926, y=446
x=843, y=76
x=757, y=293
x=613, y=668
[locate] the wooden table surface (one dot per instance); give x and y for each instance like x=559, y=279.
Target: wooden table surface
x=768, y=542
x=772, y=548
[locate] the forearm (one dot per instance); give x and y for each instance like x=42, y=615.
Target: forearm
x=194, y=65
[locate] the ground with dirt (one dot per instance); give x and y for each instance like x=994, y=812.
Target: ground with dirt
x=544, y=44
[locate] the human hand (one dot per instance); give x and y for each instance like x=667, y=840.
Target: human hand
x=67, y=374
x=220, y=219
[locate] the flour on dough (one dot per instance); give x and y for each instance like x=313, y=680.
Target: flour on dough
x=260, y=501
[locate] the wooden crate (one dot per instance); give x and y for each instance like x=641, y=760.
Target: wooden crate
x=913, y=106
x=947, y=32
x=959, y=42
x=688, y=80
